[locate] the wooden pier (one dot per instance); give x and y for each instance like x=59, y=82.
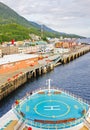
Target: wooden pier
x=66, y=58
x=10, y=81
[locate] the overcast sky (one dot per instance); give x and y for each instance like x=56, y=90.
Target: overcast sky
x=69, y=16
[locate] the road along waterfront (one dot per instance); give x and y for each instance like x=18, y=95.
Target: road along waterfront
x=73, y=77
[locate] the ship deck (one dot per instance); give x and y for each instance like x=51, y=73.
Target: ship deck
x=10, y=116
x=54, y=110
x=47, y=108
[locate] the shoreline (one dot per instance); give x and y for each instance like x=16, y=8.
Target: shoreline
x=45, y=65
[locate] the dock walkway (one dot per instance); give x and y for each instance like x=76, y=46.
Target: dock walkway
x=11, y=80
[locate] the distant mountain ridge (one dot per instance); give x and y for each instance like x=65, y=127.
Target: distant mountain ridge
x=45, y=28
x=14, y=26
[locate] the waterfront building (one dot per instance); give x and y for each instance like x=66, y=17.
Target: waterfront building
x=1, y=53
x=9, y=49
x=11, y=63
x=61, y=50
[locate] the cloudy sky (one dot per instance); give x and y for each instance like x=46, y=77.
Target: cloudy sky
x=69, y=16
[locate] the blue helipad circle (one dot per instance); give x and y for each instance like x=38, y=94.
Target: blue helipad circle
x=52, y=108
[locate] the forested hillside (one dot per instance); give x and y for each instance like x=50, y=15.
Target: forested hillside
x=14, y=26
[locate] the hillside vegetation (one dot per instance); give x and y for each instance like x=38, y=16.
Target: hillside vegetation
x=14, y=26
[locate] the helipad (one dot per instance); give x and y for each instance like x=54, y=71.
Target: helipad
x=51, y=110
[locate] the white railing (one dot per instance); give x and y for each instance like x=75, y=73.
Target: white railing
x=53, y=126
x=87, y=124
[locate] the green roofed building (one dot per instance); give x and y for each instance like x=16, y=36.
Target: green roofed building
x=41, y=43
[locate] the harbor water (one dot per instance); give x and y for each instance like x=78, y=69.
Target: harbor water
x=73, y=77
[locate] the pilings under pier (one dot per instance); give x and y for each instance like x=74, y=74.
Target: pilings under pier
x=22, y=78
x=73, y=55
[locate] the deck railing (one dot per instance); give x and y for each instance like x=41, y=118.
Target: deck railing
x=47, y=125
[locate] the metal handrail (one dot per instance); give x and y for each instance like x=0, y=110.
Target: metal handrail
x=52, y=126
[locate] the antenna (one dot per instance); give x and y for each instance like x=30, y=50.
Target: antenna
x=48, y=82
x=42, y=31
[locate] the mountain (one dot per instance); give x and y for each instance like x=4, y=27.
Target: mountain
x=9, y=16
x=14, y=26
x=45, y=28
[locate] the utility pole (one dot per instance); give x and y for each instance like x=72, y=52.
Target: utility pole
x=42, y=31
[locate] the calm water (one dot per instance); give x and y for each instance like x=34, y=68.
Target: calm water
x=74, y=77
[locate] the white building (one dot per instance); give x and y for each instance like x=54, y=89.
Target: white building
x=61, y=50
x=0, y=53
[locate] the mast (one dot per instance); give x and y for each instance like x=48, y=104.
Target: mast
x=42, y=31
x=49, y=85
